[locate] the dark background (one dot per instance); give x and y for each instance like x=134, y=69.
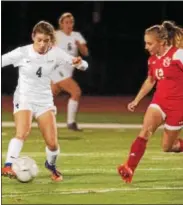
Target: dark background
x=118, y=62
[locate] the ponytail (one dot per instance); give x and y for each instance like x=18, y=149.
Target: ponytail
x=174, y=33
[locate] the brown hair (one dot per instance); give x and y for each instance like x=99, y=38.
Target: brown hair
x=45, y=28
x=175, y=33
x=168, y=31
x=65, y=15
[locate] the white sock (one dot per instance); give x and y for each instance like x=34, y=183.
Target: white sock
x=52, y=156
x=72, y=109
x=14, y=149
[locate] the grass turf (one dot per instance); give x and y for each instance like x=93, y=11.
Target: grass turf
x=93, y=117
x=88, y=161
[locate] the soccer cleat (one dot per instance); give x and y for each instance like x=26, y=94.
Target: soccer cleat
x=55, y=174
x=73, y=126
x=126, y=173
x=7, y=171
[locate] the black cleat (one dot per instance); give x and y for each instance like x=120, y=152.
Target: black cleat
x=73, y=126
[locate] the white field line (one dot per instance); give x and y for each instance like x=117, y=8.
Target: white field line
x=88, y=125
x=101, y=171
x=87, y=191
x=164, y=158
x=113, y=171
x=100, y=154
x=157, y=155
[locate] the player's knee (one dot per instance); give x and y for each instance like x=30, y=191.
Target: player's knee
x=23, y=134
x=55, y=90
x=146, y=132
x=76, y=94
x=166, y=148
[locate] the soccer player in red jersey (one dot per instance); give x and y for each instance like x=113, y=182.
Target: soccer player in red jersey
x=165, y=69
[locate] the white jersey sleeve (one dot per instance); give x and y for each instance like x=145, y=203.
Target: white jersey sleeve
x=80, y=38
x=178, y=55
x=62, y=57
x=82, y=66
x=12, y=57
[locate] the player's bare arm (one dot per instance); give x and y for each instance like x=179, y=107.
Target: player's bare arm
x=83, y=49
x=145, y=89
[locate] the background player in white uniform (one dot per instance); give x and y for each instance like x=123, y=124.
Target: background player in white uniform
x=33, y=96
x=72, y=42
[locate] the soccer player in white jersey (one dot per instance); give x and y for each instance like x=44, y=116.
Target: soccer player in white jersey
x=33, y=96
x=73, y=43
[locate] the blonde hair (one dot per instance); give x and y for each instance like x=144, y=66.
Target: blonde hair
x=65, y=15
x=168, y=31
x=45, y=28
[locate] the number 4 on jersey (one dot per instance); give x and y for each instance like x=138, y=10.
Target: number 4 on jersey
x=39, y=72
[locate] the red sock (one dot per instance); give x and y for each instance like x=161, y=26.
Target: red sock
x=181, y=145
x=137, y=151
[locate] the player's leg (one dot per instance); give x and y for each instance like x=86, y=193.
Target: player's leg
x=55, y=89
x=171, y=142
x=70, y=85
x=152, y=120
x=23, y=120
x=47, y=124
x=173, y=125
x=178, y=145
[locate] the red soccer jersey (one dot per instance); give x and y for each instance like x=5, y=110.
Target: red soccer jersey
x=168, y=71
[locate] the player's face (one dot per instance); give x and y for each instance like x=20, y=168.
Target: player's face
x=67, y=25
x=42, y=42
x=152, y=45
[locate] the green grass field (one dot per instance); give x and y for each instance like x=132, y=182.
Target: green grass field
x=93, y=117
x=88, y=162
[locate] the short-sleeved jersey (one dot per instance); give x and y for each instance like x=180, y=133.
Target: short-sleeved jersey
x=67, y=42
x=168, y=71
x=35, y=72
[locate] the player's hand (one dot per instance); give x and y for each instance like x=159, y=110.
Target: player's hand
x=76, y=60
x=77, y=43
x=132, y=105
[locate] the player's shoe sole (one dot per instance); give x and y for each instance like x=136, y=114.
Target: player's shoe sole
x=126, y=173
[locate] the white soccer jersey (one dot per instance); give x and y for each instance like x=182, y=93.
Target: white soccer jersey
x=35, y=72
x=67, y=42
x=178, y=55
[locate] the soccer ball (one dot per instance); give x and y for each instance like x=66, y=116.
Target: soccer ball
x=25, y=169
